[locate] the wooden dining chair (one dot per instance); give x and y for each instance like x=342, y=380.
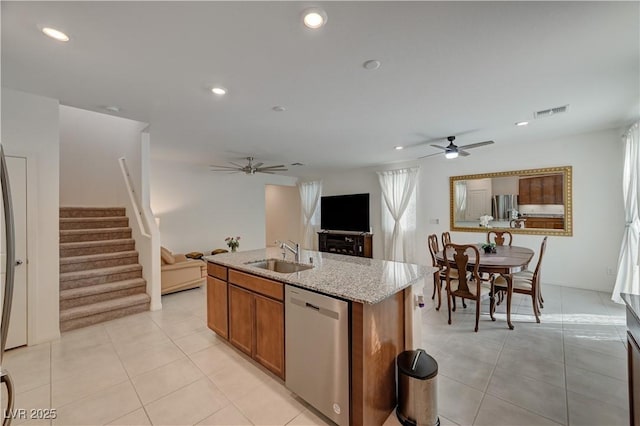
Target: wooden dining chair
x=526, y=282
x=517, y=223
x=499, y=237
x=467, y=286
x=446, y=238
x=438, y=276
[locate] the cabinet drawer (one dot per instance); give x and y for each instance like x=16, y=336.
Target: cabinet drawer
x=256, y=284
x=217, y=271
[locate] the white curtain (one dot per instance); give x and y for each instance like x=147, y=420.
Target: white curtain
x=461, y=199
x=628, y=280
x=398, y=192
x=310, y=201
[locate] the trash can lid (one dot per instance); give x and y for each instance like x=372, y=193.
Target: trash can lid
x=417, y=364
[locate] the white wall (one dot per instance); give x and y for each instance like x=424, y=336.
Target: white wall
x=198, y=208
x=30, y=129
x=283, y=214
x=90, y=145
x=598, y=218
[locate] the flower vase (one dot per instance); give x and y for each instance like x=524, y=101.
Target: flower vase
x=487, y=250
x=233, y=249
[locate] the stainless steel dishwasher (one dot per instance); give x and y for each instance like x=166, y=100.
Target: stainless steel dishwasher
x=317, y=351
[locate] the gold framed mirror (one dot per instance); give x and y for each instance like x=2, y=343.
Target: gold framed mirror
x=534, y=201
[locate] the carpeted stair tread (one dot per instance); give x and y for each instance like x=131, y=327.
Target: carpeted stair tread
x=68, y=223
x=102, y=307
x=66, y=212
x=79, y=275
x=96, y=257
x=97, y=234
x=78, y=248
x=93, y=231
x=75, y=293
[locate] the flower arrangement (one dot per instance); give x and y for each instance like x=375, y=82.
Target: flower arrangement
x=484, y=220
x=233, y=242
x=489, y=247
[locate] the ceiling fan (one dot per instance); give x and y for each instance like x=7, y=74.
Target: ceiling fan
x=251, y=168
x=452, y=150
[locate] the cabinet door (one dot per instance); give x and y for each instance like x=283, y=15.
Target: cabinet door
x=548, y=190
x=535, y=191
x=558, y=189
x=524, y=189
x=217, y=319
x=241, y=319
x=269, y=336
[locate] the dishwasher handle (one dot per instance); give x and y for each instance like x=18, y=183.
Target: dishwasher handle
x=319, y=309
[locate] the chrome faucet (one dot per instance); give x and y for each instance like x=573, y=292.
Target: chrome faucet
x=295, y=249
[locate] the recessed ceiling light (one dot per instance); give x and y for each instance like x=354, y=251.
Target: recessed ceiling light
x=314, y=18
x=112, y=108
x=279, y=108
x=55, y=34
x=219, y=90
x=398, y=148
x=372, y=64
x=522, y=123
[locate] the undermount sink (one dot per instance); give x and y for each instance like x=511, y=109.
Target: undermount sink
x=277, y=265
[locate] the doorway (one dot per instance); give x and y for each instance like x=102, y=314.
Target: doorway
x=282, y=214
x=17, y=170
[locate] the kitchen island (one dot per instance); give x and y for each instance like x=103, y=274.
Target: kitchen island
x=245, y=305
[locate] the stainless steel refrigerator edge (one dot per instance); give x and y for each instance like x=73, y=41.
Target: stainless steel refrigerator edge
x=9, y=232
x=502, y=206
x=317, y=351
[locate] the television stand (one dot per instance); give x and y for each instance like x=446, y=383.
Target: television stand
x=349, y=243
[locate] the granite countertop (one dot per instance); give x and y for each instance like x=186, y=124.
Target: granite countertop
x=357, y=279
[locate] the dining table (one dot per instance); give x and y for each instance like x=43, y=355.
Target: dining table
x=505, y=260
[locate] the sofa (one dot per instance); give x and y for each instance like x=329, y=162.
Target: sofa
x=180, y=273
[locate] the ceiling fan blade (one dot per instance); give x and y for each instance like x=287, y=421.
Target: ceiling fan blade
x=224, y=167
x=430, y=155
x=257, y=165
x=271, y=170
x=266, y=173
x=226, y=170
x=462, y=153
x=476, y=145
x=272, y=167
x=438, y=146
x=236, y=164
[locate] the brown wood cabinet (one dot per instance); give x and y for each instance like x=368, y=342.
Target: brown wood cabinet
x=268, y=347
x=541, y=190
x=544, y=222
x=241, y=319
x=217, y=312
x=248, y=311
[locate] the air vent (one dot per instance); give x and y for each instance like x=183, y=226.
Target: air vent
x=297, y=164
x=551, y=112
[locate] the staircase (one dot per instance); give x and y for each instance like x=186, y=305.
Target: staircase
x=100, y=277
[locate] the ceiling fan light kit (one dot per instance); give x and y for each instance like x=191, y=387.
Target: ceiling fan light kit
x=250, y=169
x=452, y=150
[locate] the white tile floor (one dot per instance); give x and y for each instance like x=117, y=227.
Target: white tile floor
x=167, y=368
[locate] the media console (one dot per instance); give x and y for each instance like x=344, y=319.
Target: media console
x=349, y=243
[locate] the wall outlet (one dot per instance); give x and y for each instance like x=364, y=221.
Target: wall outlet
x=610, y=271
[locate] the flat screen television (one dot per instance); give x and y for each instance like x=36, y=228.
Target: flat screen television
x=345, y=213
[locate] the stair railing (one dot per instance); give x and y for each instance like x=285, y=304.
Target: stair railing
x=143, y=222
x=147, y=236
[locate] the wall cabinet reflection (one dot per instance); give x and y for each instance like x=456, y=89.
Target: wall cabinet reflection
x=534, y=201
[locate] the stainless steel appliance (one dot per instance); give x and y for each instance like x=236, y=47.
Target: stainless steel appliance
x=317, y=351
x=10, y=263
x=503, y=205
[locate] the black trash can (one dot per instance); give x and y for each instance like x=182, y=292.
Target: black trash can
x=417, y=389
